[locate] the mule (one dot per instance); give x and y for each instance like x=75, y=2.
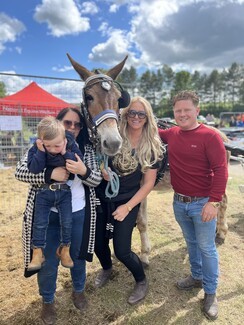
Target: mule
x=102, y=99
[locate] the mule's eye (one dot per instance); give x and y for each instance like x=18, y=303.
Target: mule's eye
x=89, y=98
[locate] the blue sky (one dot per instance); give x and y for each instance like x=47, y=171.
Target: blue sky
x=185, y=34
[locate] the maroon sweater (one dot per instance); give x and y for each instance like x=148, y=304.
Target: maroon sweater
x=197, y=160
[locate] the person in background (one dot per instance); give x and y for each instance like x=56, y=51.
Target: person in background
x=136, y=164
x=198, y=170
x=87, y=176
x=51, y=149
x=210, y=117
x=232, y=121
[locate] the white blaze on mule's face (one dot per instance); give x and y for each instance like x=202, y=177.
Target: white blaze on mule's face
x=110, y=139
x=99, y=99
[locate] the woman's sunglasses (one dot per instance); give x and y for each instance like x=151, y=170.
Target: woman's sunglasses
x=141, y=115
x=68, y=124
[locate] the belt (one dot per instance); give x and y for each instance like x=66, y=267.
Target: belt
x=55, y=186
x=187, y=199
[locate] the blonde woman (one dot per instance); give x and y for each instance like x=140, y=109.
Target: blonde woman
x=136, y=165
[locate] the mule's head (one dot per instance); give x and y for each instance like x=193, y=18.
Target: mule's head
x=102, y=100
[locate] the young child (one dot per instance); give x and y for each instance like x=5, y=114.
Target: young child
x=53, y=146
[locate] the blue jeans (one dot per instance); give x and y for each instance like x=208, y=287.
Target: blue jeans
x=47, y=276
x=200, y=240
x=45, y=200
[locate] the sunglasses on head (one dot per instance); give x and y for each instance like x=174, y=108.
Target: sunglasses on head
x=68, y=124
x=141, y=115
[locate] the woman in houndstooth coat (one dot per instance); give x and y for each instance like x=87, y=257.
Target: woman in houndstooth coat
x=84, y=204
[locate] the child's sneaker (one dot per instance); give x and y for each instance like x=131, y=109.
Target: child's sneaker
x=37, y=260
x=64, y=256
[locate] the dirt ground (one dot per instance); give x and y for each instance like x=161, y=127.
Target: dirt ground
x=20, y=303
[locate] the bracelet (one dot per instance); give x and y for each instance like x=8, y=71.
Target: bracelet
x=129, y=208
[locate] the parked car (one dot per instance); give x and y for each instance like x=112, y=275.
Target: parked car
x=236, y=136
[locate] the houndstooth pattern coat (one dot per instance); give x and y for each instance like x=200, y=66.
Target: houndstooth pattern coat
x=90, y=180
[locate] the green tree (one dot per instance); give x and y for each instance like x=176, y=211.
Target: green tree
x=241, y=93
x=151, y=87
x=168, y=76
x=234, y=81
x=128, y=79
x=2, y=89
x=215, y=84
x=182, y=81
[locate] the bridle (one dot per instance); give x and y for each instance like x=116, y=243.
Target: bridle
x=93, y=122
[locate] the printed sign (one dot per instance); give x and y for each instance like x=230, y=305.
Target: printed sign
x=10, y=123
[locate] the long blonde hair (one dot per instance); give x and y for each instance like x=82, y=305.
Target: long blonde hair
x=150, y=149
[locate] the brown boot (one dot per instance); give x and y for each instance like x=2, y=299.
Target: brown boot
x=79, y=300
x=210, y=306
x=37, y=259
x=139, y=292
x=188, y=283
x=64, y=256
x=48, y=314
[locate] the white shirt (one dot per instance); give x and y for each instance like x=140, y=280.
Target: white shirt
x=78, y=195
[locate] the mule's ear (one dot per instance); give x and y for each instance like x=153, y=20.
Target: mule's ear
x=82, y=71
x=114, y=72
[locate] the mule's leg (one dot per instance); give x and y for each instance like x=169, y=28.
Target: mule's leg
x=222, y=226
x=142, y=227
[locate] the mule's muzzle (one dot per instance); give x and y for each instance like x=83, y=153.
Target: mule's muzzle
x=111, y=148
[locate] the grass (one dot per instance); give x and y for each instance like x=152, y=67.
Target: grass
x=20, y=303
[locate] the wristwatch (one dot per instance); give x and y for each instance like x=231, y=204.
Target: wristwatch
x=215, y=204
x=128, y=207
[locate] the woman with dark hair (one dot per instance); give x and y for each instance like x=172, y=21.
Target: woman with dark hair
x=87, y=176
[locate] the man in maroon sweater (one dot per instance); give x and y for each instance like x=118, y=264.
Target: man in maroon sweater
x=199, y=175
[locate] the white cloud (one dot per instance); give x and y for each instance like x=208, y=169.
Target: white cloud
x=62, y=18
x=113, y=50
x=89, y=8
x=103, y=28
x=18, y=49
x=206, y=34
x=62, y=69
x=113, y=8
x=13, y=83
x=10, y=29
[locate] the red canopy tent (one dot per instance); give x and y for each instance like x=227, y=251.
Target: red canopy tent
x=32, y=101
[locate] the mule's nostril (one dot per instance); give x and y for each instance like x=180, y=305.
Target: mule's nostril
x=111, y=147
x=105, y=145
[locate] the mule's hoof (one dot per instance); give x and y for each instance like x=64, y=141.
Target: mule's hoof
x=219, y=241
x=145, y=265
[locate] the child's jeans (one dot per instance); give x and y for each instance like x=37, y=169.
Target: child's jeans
x=45, y=200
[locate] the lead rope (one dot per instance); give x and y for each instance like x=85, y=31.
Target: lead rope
x=112, y=188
